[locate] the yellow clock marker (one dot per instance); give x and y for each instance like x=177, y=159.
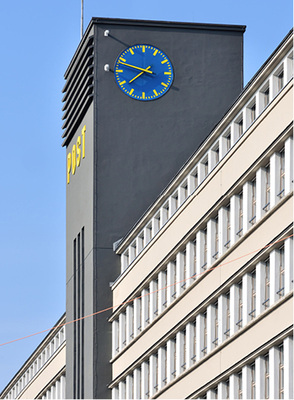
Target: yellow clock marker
x=131, y=51
x=155, y=92
x=131, y=91
x=143, y=49
x=156, y=51
x=121, y=83
x=119, y=70
x=143, y=95
x=122, y=59
x=167, y=73
x=163, y=84
x=164, y=61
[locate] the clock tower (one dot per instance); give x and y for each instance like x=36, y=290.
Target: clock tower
x=139, y=99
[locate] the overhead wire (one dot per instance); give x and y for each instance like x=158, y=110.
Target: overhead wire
x=194, y=276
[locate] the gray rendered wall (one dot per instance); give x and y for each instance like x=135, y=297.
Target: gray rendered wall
x=139, y=146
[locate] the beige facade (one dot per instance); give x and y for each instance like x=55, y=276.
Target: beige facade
x=43, y=374
x=204, y=302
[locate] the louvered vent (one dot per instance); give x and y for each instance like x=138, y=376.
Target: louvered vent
x=78, y=91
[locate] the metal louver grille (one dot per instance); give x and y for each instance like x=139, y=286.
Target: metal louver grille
x=78, y=91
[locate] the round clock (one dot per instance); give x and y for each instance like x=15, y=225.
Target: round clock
x=143, y=72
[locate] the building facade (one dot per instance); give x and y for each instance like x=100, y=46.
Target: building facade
x=43, y=375
x=194, y=251
x=203, y=306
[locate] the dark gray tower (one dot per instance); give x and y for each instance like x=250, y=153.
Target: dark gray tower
x=122, y=152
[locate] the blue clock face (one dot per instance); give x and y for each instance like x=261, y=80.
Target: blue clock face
x=143, y=72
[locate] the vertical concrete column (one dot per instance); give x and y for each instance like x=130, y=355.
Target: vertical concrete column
x=122, y=390
x=223, y=390
x=173, y=203
x=129, y=323
x=274, y=373
x=246, y=382
x=153, y=300
x=137, y=317
x=182, y=194
x=234, y=209
x=199, y=336
x=180, y=338
x=288, y=69
x=234, y=386
x=201, y=171
x=247, y=206
x=115, y=336
x=222, y=316
x=210, y=327
x=260, y=193
x=260, y=288
x=246, y=292
x=114, y=394
x=234, y=306
x=190, y=332
x=139, y=243
x=153, y=374
x=192, y=184
x=161, y=367
x=145, y=380
x=137, y=383
x=271, y=88
x=200, y=258
x=274, y=179
x=180, y=273
x=170, y=350
x=288, y=264
x=145, y=300
x=132, y=253
x=129, y=387
x=211, y=394
x=260, y=377
x=147, y=234
x=274, y=276
x=122, y=330
x=162, y=301
x=288, y=368
x=190, y=256
x=171, y=288
x=288, y=165
x=211, y=241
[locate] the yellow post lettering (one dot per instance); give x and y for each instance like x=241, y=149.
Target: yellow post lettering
x=78, y=151
x=83, y=135
x=74, y=159
x=68, y=166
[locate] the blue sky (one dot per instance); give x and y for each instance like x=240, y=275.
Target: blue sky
x=38, y=41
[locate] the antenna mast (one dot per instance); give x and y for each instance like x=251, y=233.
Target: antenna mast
x=82, y=18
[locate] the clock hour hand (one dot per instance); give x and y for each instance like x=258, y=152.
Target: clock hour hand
x=139, y=74
x=133, y=66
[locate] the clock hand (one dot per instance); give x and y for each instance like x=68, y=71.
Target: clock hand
x=139, y=74
x=133, y=66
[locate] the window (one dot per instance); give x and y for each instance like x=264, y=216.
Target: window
x=239, y=383
x=215, y=255
x=281, y=272
x=204, y=350
x=194, y=342
x=267, y=284
x=253, y=295
x=205, y=163
x=266, y=376
x=204, y=266
x=253, y=202
x=165, y=213
x=227, y=141
x=215, y=341
x=282, y=174
x=265, y=96
x=251, y=112
x=239, y=126
x=240, y=306
x=215, y=155
x=280, y=80
x=194, y=179
x=227, y=331
x=184, y=280
x=228, y=226
x=183, y=366
x=194, y=260
x=267, y=188
x=240, y=215
x=253, y=382
x=281, y=372
x=174, y=358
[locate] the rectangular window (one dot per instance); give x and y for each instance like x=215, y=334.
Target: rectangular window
x=267, y=188
x=183, y=366
x=239, y=127
x=265, y=96
x=228, y=226
x=282, y=174
x=281, y=290
x=194, y=260
x=280, y=80
x=227, y=141
x=215, y=255
x=281, y=372
x=239, y=323
x=194, y=342
x=240, y=391
x=253, y=382
x=253, y=295
x=204, y=350
x=266, y=376
x=253, y=202
x=227, y=331
x=240, y=215
x=267, y=284
x=215, y=341
x=184, y=281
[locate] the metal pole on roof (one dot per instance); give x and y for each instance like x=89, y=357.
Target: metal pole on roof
x=82, y=18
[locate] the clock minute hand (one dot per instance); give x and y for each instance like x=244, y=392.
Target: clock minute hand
x=133, y=66
x=139, y=74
